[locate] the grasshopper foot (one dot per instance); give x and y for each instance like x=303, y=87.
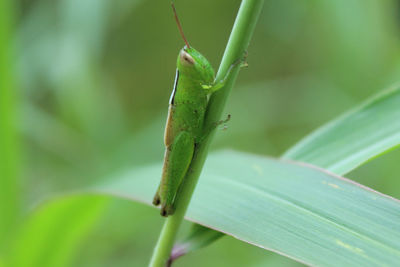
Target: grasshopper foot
x=227, y=119
x=244, y=63
x=156, y=200
x=167, y=210
x=212, y=127
x=223, y=121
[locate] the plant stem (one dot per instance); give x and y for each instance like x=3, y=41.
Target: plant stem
x=238, y=42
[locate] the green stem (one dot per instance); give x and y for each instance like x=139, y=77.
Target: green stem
x=239, y=39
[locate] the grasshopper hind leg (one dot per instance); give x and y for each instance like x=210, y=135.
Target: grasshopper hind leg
x=176, y=163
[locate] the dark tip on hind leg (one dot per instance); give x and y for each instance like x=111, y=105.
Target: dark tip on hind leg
x=167, y=210
x=156, y=200
x=163, y=212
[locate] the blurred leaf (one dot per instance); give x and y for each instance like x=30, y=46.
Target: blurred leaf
x=354, y=138
x=52, y=134
x=84, y=96
x=198, y=238
x=51, y=235
x=294, y=209
x=9, y=207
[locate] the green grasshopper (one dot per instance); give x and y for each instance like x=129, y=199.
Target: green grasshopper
x=184, y=130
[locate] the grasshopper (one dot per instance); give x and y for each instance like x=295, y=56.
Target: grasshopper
x=184, y=130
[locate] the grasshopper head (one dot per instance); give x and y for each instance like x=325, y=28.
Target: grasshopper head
x=193, y=64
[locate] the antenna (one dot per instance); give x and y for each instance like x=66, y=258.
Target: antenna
x=179, y=24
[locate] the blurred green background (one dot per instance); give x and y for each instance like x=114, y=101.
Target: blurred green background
x=95, y=78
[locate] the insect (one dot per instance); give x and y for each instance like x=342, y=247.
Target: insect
x=194, y=83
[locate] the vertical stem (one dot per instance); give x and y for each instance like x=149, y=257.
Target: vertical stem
x=8, y=136
x=239, y=39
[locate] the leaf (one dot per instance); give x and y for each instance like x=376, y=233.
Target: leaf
x=51, y=235
x=385, y=105
x=294, y=209
x=199, y=237
x=354, y=138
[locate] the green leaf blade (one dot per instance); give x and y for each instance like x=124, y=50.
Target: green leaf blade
x=348, y=156
x=354, y=138
x=296, y=210
x=50, y=236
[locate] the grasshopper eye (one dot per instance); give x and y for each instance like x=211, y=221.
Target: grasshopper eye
x=186, y=59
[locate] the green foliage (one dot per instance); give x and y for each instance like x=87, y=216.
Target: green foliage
x=198, y=237
x=96, y=77
x=294, y=209
x=9, y=178
x=362, y=134
x=53, y=232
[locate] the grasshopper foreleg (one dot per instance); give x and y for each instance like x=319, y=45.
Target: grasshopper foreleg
x=219, y=84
